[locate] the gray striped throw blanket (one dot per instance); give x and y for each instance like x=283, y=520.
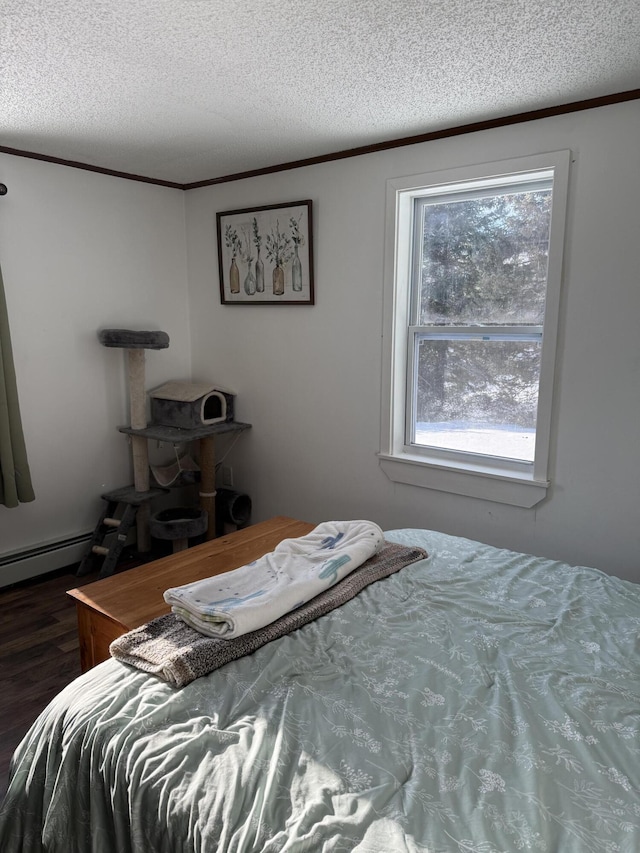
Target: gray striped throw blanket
x=175, y=652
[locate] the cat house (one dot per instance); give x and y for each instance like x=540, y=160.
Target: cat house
x=189, y=405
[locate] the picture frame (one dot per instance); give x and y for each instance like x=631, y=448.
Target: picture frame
x=265, y=254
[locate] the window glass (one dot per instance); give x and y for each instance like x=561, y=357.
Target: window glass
x=477, y=396
x=483, y=261
x=480, y=260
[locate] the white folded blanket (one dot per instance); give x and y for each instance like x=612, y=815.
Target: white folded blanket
x=252, y=596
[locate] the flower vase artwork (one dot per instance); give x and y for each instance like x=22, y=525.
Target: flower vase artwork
x=257, y=241
x=250, y=282
x=296, y=271
x=234, y=277
x=259, y=274
x=278, y=280
x=250, y=279
x=265, y=254
x=279, y=253
x=296, y=264
x=233, y=242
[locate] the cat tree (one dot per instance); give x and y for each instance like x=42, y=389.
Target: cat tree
x=208, y=412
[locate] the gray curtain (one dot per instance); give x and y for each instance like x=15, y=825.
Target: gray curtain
x=15, y=479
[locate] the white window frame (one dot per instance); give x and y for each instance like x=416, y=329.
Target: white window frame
x=503, y=480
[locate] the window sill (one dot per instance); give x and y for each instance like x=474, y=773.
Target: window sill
x=473, y=481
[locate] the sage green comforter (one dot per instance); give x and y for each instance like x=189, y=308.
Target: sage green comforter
x=479, y=701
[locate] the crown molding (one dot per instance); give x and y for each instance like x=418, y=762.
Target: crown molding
x=444, y=133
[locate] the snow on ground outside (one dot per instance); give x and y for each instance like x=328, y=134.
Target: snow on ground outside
x=505, y=441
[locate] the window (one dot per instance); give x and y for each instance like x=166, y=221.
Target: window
x=472, y=286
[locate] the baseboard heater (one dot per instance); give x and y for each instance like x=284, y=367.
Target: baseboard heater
x=21, y=565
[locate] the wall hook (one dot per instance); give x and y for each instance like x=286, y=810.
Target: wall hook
x=3, y=189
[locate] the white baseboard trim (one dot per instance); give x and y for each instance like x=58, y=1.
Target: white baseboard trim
x=47, y=557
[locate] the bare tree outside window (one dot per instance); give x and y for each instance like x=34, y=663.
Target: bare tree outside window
x=480, y=309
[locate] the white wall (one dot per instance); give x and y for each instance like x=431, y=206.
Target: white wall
x=308, y=378
x=82, y=251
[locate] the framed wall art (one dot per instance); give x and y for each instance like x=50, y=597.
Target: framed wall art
x=265, y=255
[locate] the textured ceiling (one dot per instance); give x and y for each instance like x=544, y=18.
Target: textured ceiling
x=191, y=90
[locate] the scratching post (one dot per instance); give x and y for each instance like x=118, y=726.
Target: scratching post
x=135, y=343
x=208, y=482
x=139, y=444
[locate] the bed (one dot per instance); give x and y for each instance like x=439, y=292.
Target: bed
x=478, y=701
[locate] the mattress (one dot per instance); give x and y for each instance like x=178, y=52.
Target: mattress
x=479, y=700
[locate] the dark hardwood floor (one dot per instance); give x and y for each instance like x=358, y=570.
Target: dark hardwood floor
x=39, y=651
x=39, y=654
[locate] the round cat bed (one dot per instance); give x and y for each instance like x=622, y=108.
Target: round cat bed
x=179, y=524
